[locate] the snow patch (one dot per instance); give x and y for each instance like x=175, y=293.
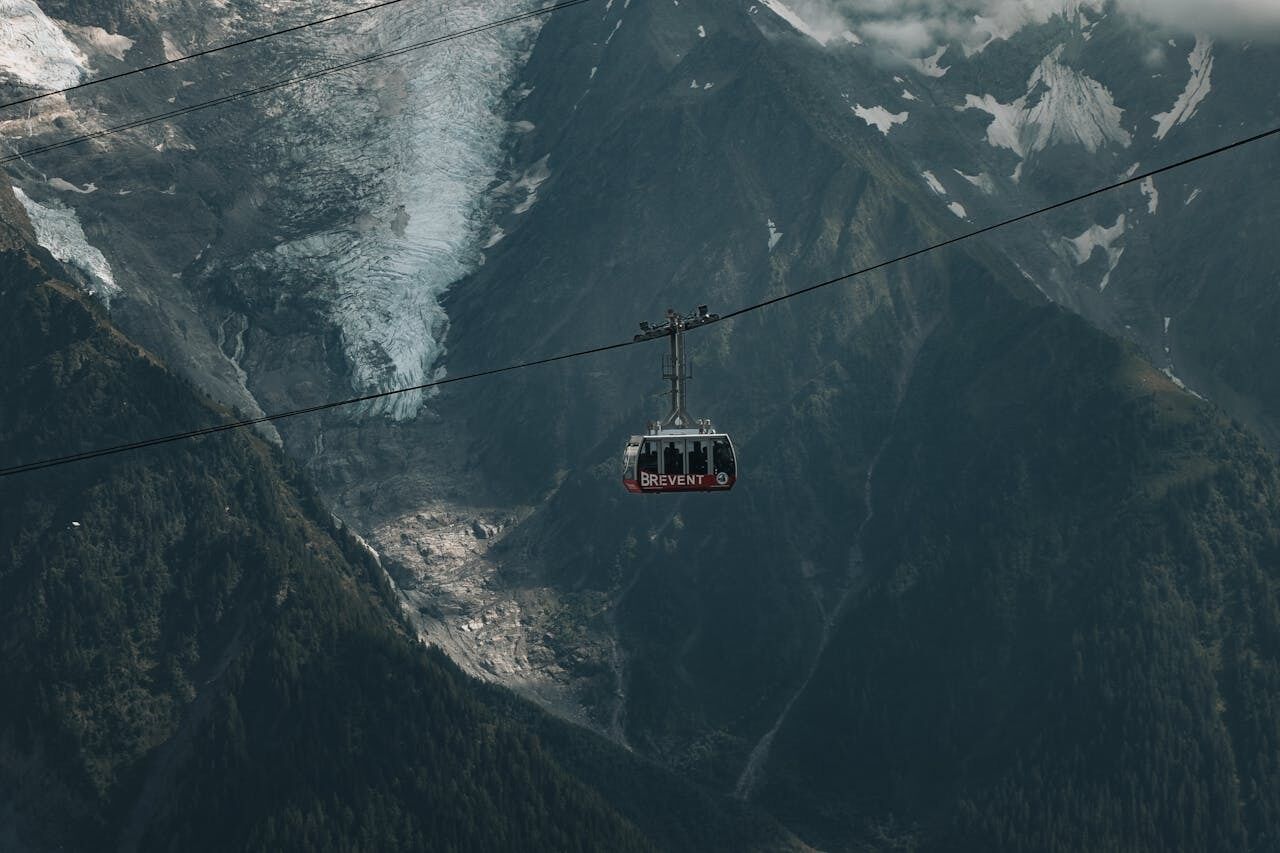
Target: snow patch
x=702, y=31
x=928, y=65
x=171, y=51
x=34, y=51
x=774, y=234
x=1198, y=87
x=1099, y=237
x=1148, y=187
x=982, y=181
x=958, y=209
x=1195, y=194
x=1068, y=108
x=797, y=23
x=58, y=230
x=1007, y=19
x=934, y=184
x=529, y=182
x=68, y=187
x=907, y=96
x=1168, y=371
x=879, y=117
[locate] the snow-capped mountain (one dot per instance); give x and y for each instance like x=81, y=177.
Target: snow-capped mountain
x=1031, y=103
x=535, y=191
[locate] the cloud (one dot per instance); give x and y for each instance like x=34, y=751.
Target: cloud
x=1228, y=18
x=915, y=28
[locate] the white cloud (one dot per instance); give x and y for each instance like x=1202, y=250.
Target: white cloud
x=915, y=28
x=1229, y=18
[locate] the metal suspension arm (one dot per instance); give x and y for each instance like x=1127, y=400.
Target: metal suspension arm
x=676, y=372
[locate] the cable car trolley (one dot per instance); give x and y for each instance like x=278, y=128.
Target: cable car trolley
x=678, y=454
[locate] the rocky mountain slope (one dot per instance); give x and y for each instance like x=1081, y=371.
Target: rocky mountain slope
x=199, y=656
x=628, y=157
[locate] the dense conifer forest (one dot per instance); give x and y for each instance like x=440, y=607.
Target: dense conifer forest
x=198, y=656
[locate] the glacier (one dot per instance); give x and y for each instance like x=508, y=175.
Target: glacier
x=34, y=51
x=58, y=229
x=427, y=132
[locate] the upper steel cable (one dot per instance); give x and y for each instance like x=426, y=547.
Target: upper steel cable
x=290, y=81
x=166, y=439
x=206, y=52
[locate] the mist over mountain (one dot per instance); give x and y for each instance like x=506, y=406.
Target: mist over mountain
x=1001, y=570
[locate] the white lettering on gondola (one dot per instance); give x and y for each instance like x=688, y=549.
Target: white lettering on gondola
x=661, y=481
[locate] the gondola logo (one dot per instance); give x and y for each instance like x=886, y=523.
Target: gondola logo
x=661, y=481
x=722, y=478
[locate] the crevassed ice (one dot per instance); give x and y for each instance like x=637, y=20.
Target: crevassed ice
x=1201, y=62
x=33, y=51
x=58, y=230
x=1062, y=106
x=422, y=150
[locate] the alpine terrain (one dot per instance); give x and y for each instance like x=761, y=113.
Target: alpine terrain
x=1001, y=568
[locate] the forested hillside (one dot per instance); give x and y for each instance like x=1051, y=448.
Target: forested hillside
x=196, y=656
x=1070, y=638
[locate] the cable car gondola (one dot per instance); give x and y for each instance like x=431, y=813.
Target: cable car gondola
x=678, y=454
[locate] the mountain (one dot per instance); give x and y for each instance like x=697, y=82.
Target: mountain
x=199, y=656
x=1062, y=427
x=1067, y=637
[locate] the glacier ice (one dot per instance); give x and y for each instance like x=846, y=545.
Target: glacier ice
x=34, y=51
x=58, y=230
x=427, y=133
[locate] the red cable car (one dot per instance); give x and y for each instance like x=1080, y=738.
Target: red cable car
x=678, y=454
